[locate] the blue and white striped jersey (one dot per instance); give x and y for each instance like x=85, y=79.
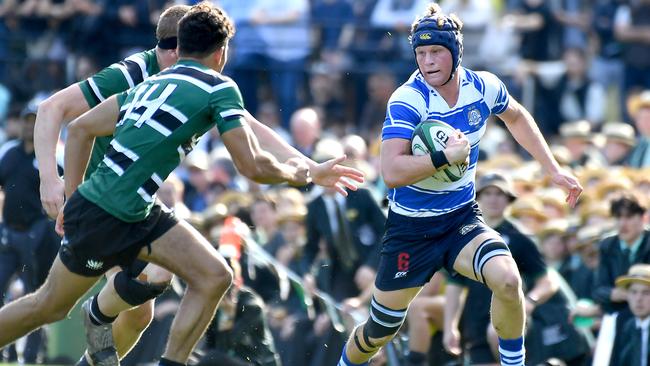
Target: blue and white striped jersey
x=481, y=94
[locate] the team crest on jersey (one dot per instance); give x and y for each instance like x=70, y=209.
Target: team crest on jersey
x=474, y=116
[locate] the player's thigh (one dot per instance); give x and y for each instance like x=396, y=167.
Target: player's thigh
x=183, y=251
x=154, y=273
x=62, y=289
x=468, y=258
x=396, y=299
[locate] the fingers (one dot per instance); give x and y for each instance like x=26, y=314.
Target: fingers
x=347, y=184
x=59, y=224
x=351, y=173
x=338, y=160
x=341, y=190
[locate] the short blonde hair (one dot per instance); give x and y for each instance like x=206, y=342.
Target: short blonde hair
x=168, y=22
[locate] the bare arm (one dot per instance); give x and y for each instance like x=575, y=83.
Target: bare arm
x=524, y=129
x=400, y=168
x=328, y=174
x=254, y=162
x=53, y=112
x=100, y=121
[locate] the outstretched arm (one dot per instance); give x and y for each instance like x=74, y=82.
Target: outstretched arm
x=260, y=165
x=524, y=129
x=327, y=174
x=53, y=112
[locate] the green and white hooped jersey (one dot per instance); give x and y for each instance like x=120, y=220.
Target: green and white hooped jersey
x=161, y=120
x=116, y=78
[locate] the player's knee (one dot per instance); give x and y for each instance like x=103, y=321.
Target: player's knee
x=215, y=281
x=508, y=287
x=380, y=328
x=136, y=292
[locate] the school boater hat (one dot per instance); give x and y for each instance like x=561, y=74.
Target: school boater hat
x=440, y=30
x=638, y=273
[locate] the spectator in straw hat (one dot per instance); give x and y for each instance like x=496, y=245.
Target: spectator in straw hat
x=632, y=343
x=529, y=212
x=639, y=108
x=620, y=140
x=581, y=278
x=578, y=138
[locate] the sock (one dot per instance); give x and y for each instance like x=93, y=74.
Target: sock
x=345, y=362
x=167, y=362
x=415, y=358
x=512, y=352
x=96, y=316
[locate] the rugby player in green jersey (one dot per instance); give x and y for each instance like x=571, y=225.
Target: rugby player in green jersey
x=137, y=284
x=133, y=286
x=120, y=192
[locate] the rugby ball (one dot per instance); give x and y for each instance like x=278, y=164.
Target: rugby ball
x=432, y=135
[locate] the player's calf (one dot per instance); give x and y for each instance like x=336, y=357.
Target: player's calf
x=379, y=329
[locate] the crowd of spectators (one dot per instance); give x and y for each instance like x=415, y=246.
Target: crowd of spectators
x=320, y=73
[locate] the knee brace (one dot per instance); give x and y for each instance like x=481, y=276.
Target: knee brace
x=383, y=322
x=134, y=291
x=488, y=249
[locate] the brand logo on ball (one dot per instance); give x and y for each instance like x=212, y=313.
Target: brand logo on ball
x=433, y=135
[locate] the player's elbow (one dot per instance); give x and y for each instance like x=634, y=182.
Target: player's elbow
x=392, y=180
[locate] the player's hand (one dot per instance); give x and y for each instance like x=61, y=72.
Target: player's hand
x=302, y=175
x=59, y=223
x=451, y=341
x=52, y=193
x=333, y=175
x=457, y=149
x=569, y=182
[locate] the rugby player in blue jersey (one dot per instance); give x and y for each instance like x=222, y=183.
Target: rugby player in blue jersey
x=433, y=224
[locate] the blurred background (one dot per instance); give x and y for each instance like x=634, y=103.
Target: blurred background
x=320, y=72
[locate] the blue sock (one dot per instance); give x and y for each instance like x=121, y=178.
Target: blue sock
x=345, y=362
x=512, y=352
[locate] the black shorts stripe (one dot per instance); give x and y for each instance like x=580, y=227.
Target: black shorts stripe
x=150, y=186
x=166, y=119
x=92, y=92
x=202, y=76
x=134, y=71
x=121, y=115
x=118, y=158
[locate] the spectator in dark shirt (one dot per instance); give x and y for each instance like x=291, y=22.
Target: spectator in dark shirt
x=630, y=245
x=632, y=345
x=28, y=243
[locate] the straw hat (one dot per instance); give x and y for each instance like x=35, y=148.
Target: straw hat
x=638, y=101
x=638, y=273
x=576, y=130
x=619, y=132
x=528, y=206
x=588, y=235
x=553, y=227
